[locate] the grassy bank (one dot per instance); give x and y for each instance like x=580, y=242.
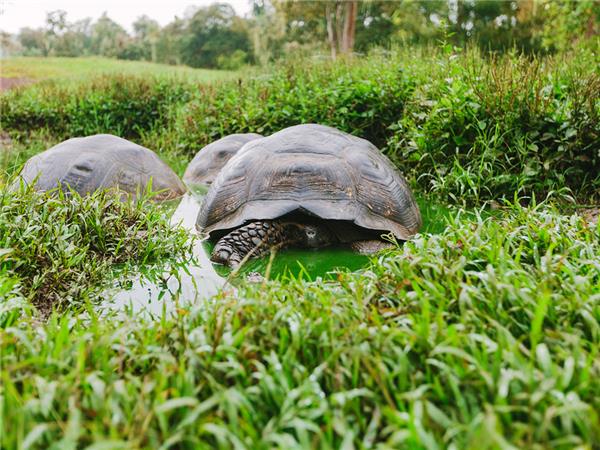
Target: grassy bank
x=485, y=336
x=483, y=332
x=57, y=250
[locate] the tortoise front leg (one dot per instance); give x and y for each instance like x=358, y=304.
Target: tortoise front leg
x=227, y=254
x=252, y=240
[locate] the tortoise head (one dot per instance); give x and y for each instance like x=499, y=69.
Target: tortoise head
x=315, y=235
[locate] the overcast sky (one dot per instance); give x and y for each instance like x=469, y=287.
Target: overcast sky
x=16, y=14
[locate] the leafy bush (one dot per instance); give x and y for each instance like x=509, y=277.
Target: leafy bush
x=363, y=98
x=125, y=106
x=234, y=61
x=485, y=129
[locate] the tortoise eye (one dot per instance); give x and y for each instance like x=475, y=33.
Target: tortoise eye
x=222, y=154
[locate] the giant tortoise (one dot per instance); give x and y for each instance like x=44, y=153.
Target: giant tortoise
x=101, y=161
x=307, y=185
x=209, y=161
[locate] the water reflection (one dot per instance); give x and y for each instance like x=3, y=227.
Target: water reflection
x=178, y=285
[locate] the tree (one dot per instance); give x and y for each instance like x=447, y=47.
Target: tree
x=108, y=37
x=146, y=33
x=169, y=46
x=328, y=21
x=74, y=40
x=418, y=22
x=33, y=41
x=349, y=28
x=563, y=24
x=8, y=45
x=214, y=31
x=267, y=29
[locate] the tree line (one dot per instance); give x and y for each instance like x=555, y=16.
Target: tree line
x=216, y=37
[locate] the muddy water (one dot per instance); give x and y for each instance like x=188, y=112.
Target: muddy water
x=200, y=279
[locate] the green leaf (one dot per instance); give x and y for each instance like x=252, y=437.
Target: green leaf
x=174, y=403
x=35, y=434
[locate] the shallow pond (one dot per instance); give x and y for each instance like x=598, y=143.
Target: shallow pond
x=199, y=279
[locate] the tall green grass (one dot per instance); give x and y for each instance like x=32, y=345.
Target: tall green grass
x=485, y=336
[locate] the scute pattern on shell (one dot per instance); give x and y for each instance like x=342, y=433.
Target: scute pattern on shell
x=98, y=162
x=315, y=170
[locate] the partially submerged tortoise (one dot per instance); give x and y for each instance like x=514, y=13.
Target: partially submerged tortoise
x=209, y=161
x=101, y=161
x=309, y=186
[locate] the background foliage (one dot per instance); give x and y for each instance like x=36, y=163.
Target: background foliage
x=468, y=127
x=483, y=332
x=214, y=36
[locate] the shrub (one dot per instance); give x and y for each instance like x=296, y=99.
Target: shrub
x=485, y=129
x=363, y=98
x=120, y=105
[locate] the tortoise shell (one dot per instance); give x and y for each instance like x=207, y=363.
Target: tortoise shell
x=99, y=162
x=312, y=170
x=207, y=163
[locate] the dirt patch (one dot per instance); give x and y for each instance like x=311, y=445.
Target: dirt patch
x=591, y=215
x=5, y=142
x=7, y=83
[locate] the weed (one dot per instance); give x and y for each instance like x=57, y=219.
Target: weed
x=62, y=247
x=484, y=336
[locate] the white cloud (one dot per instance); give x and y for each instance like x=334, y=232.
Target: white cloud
x=16, y=14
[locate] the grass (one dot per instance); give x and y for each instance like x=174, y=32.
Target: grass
x=79, y=69
x=483, y=332
x=485, y=336
x=59, y=248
